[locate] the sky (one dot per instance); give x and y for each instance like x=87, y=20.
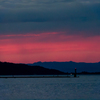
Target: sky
x=49, y=30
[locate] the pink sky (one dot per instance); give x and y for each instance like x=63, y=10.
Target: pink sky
x=51, y=46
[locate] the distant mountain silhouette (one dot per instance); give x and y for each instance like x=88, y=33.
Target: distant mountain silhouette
x=23, y=69
x=70, y=66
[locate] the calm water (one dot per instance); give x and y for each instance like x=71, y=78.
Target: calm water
x=85, y=87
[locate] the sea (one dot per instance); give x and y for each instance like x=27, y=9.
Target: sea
x=85, y=87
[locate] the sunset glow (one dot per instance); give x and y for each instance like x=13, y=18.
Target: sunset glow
x=31, y=48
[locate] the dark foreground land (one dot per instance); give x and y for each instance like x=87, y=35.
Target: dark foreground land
x=23, y=69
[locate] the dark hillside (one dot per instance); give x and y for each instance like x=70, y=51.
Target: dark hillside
x=22, y=69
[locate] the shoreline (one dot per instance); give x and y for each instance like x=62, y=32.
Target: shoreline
x=39, y=76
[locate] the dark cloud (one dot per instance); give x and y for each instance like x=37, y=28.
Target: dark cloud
x=24, y=16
